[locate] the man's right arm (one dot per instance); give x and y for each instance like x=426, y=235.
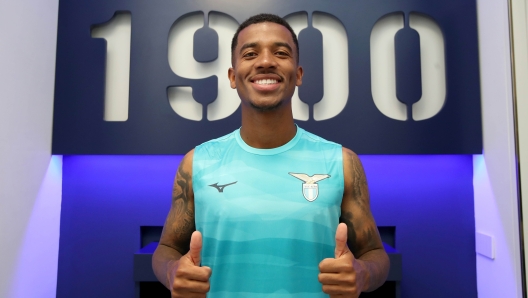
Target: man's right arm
x=176, y=260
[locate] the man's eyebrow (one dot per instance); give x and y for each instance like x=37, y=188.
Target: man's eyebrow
x=254, y=44
x=247, y=45
x=283, y=44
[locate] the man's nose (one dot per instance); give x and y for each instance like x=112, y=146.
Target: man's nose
x=266, y=59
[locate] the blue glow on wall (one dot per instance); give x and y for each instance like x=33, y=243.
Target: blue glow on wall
x=430, y=201
x=429, y=198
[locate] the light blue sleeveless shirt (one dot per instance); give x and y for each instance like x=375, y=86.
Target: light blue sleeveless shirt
x=267, y=216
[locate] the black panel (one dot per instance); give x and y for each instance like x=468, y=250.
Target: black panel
x=388, y=290
x=154, y=128
x=149, y=234
x=153, y=289
x=156, y=289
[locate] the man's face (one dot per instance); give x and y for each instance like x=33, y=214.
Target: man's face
x=265, y=70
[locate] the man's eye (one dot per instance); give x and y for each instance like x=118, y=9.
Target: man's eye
x=281, y=53
x=250, y=54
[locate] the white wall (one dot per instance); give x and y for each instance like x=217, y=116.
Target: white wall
x=520, y=46
x=496, y=204
x=30, y=181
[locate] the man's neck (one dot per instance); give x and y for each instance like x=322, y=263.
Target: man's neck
x=267, y=129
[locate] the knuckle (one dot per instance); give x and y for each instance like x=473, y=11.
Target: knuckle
x=353, y=291
x=180, y=273
x=325, y=289
x=349, y=281
x=177, y=285
x=348, y=267
x=353, y=277
x=206, y=271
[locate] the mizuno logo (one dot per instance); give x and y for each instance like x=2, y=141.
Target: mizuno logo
x=220, y=188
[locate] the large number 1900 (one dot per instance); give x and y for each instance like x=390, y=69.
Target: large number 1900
x=117, y=33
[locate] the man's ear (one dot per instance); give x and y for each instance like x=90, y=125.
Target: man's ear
x=300, y=73
x=231, y=76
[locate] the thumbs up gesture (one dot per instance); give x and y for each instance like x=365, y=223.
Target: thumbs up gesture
x=339, y=276
x=188, y=279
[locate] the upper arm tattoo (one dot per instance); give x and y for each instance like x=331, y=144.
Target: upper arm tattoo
x=179, y=225
x=363, y=235
x=360, y=193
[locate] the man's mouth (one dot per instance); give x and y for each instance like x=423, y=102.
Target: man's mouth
x=266, y=82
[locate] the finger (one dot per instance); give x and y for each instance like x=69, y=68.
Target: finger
x=340, y=265
x=193, y=272
x=198, y=286
x=328, y=266
x=341, y=240
x=188, y=294
x=191, y=286
x=195, y=248
x=207, y=270
x=329, y=278
x=340, y=291
x=334, y=290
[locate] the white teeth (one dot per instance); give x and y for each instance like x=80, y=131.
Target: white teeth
x=266, y=82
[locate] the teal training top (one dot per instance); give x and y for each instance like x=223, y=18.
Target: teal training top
x=268, y=216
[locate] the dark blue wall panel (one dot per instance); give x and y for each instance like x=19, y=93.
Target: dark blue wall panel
x=79, y=128
x=107, y=198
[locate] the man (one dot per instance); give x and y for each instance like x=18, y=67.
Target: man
x=268, y=197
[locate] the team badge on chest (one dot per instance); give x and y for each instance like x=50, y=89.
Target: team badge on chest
x=310, y=188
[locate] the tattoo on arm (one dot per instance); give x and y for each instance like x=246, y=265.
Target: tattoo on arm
x=360, y=193
x=362, y=231
x=363, y=237
x=180, y=221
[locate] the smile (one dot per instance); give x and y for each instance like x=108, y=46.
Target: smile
x=266, y=82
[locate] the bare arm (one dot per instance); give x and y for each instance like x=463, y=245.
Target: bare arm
x=361, y=263
x=363, y=237
x=175, y=240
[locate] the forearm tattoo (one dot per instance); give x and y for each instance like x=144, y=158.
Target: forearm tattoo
x=181, y=216
x=362, y=231
x=363, y=237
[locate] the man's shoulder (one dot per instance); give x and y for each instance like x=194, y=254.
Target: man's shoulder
x=215, y=147
x=311, y=137
x=223, y=139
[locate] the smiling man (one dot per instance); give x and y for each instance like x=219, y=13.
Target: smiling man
x=256, y=213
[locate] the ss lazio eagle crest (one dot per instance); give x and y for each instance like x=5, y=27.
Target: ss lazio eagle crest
x=310, y=188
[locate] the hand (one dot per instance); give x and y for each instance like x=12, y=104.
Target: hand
x=341, y=277
x=186, y=276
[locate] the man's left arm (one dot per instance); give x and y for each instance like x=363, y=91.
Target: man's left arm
x=363, y=264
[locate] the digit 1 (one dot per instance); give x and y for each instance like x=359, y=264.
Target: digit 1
x=117, y=33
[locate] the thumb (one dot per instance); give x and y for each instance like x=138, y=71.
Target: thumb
x=195, y=248
x=341, y=240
